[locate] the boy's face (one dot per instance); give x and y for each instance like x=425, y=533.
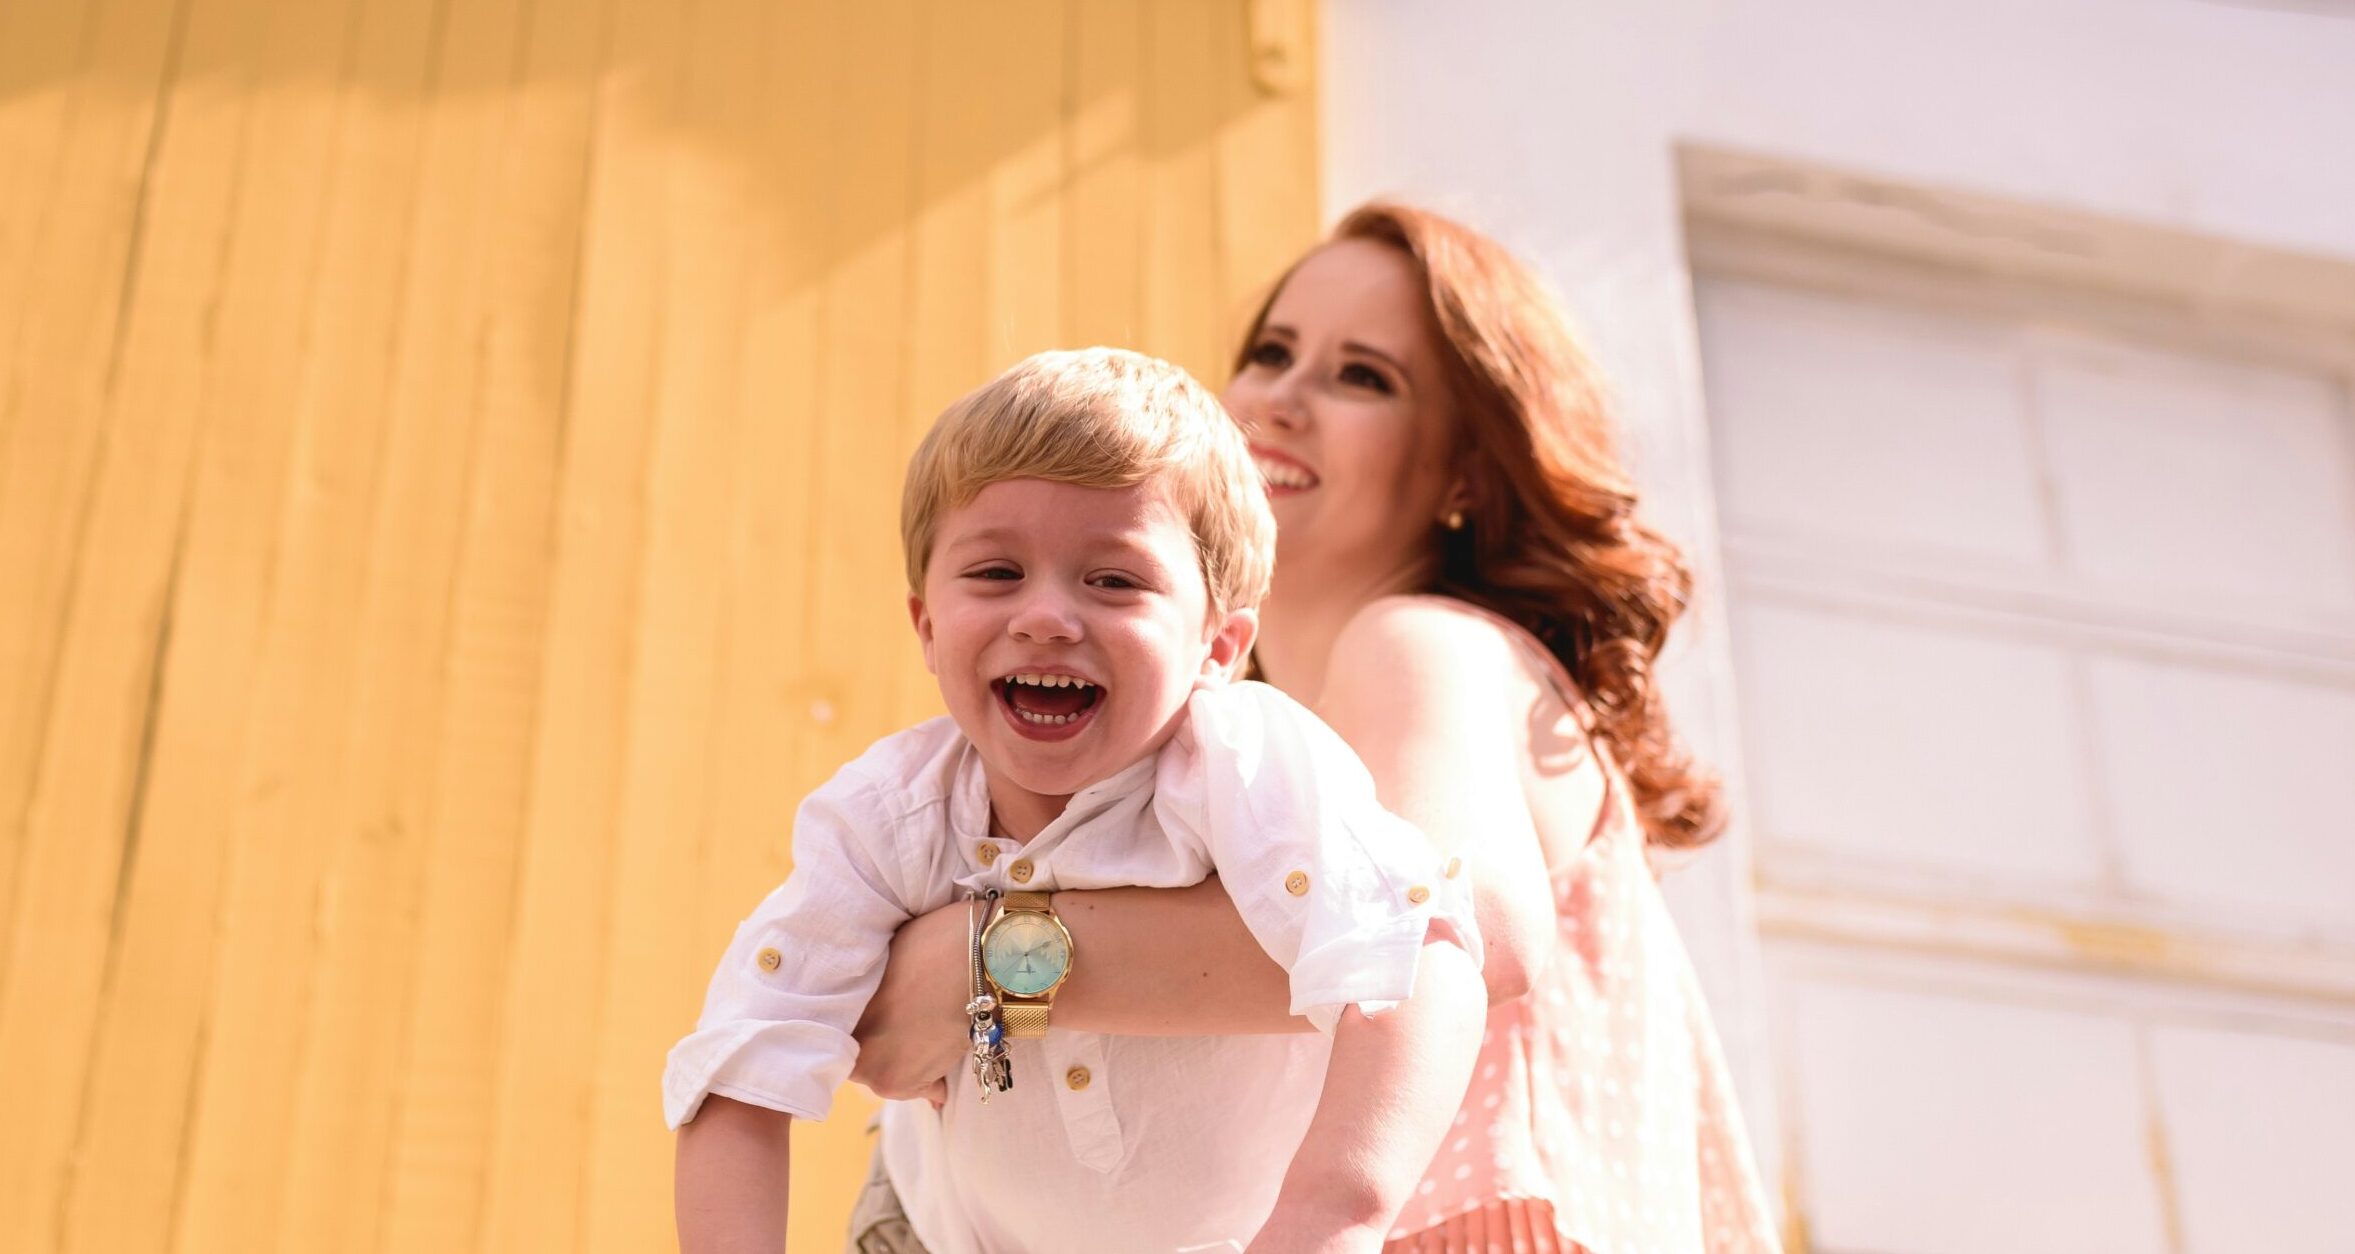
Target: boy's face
x=1096, y=591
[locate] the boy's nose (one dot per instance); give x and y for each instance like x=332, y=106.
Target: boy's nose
x=1045, y=617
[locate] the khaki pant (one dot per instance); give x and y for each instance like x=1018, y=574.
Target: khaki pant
x=878, y=1223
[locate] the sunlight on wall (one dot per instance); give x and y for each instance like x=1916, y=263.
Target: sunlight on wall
x=449, y=465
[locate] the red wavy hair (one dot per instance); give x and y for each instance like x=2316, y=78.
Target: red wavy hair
x=1552, y=540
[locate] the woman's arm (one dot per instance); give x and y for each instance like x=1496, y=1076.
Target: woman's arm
x=1146, y=962
x=1390, y=1094
x=730, y=1181
x=1169, y=962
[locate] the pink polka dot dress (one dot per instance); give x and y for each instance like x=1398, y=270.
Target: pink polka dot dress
x=1601, y=1116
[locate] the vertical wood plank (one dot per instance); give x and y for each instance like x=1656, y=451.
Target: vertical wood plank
x=1263, y=196
x=853, y=629
x=316, y=216
x=533, y=1134
x=508, y=993
x=554, y=991
x=949, y=345
x=764, y=710
x=146, y=1043
x=1103, y=216
x=418, y=142
x=666, y=797
x=1024, y=278
x=85, y=548
x=41, y=58
x=1181, y=311
x=57, y=368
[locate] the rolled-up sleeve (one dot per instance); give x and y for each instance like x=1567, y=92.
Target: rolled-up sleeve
x=1341, y=892
x=777, y=1020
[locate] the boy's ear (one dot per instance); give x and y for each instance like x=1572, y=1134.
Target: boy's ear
x=1230, y=644
x=923, y=622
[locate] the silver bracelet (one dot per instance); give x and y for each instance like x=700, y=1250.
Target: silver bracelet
x=992, y=1069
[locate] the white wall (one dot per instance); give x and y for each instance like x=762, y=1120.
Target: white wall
x=1553, y=125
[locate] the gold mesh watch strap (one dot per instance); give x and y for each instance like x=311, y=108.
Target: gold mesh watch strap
x=1024, y=1018
x=1041, y=902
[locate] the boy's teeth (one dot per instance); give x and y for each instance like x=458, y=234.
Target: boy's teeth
x=1049, y=681
x=1051, y=720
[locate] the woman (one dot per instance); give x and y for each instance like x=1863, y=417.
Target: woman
x=1463, y=590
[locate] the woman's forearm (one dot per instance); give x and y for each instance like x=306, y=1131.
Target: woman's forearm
x=1168, y=962
x=1145, y=962
x=730, y=1186
x=1391, y=1090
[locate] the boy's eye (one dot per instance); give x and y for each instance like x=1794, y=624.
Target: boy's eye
x=1118, y=583
x=1271, y=353
x=994, y=572
x=1363, y=376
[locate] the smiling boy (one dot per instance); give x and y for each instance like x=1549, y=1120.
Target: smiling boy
x=1087, y=544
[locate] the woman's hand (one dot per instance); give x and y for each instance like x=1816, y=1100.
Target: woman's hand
x=913, y=1037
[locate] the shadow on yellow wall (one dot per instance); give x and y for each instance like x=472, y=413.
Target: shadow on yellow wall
x=449, y=462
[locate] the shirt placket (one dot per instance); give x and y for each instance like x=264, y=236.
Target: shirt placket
x=1075, y=1062
x=1083, y=1098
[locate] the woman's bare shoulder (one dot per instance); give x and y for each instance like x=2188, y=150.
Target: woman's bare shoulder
x=1397, y=640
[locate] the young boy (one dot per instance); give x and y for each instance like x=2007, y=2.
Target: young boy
x=1087, y=542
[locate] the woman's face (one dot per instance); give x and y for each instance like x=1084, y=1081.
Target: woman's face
x=1347, y=412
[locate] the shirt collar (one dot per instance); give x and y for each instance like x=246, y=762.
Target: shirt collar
x=969, y=799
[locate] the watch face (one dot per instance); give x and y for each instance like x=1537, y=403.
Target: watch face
x=1026, y=954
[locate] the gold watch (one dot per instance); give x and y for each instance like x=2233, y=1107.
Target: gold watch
x=1026, y=953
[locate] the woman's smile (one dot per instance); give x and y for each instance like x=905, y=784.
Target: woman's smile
x=1284, y=474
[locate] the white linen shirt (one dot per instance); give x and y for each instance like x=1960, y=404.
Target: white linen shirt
x=1130, y=1143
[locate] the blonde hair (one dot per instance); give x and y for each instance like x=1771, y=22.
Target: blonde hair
x=1101, y=418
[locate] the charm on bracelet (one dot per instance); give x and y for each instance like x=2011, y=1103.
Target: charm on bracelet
x=993, y=1070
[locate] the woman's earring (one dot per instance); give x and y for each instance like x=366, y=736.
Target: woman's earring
x=1455, y=520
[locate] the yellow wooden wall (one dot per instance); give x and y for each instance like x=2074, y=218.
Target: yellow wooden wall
x=449, y=458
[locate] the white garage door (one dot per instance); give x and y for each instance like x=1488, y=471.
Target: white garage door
x=2045, y=648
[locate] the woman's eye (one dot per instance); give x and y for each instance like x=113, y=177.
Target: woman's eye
x=1272, y=354
x=1362, y=376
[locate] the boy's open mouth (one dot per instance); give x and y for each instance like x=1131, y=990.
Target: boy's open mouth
x=1047, y=701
